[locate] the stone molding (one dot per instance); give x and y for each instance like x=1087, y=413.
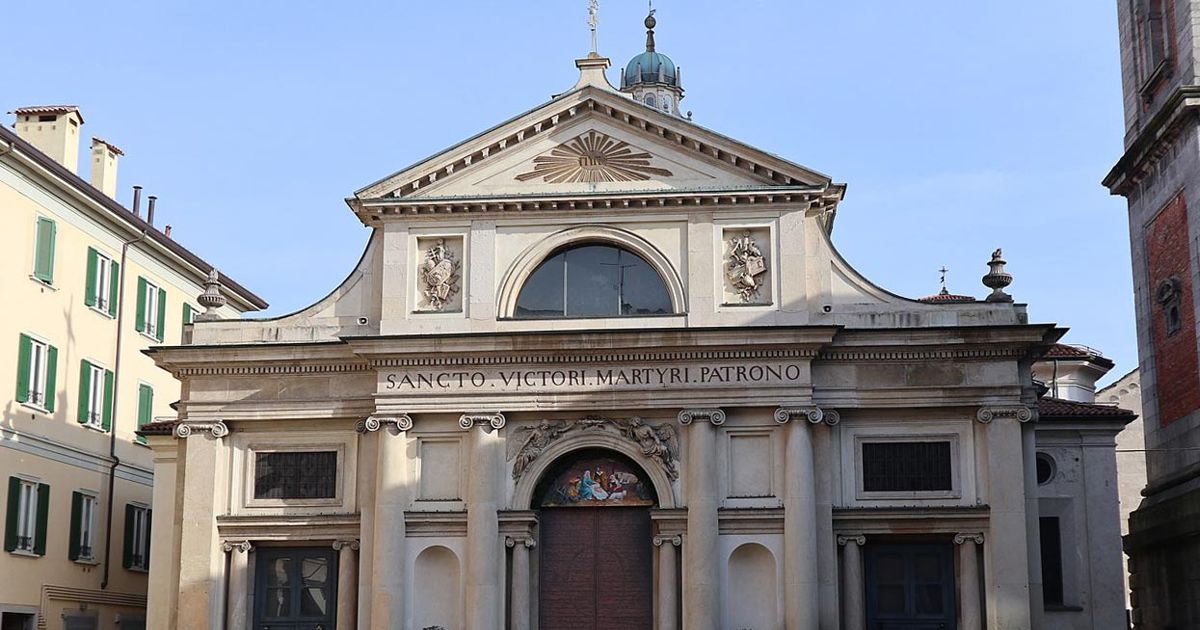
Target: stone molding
x=230, y=546
x=370, y=424
x=814, y=415
x=1011, y=352
x=495, y=419
x=674, y=539
x=712, y=414
x=185, y=428
x=975, y=537
x=1020, y=413
x=274, y=368
x=351, y=544
x=513, y=541
x=845, y=539
x=659, y=442
x=612, y=357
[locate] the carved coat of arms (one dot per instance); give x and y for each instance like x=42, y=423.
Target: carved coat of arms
x=745, y=264
x=439, y=275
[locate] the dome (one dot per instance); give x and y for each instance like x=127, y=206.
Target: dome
x=650, y=67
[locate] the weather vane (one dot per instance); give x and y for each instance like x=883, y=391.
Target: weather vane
x=594, y=20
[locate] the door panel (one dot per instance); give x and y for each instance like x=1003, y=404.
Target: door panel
x=595, y=569
x=910, y=587
x=296, y=589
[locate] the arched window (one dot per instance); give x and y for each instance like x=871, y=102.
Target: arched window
x=593, y=280
x=650, y=100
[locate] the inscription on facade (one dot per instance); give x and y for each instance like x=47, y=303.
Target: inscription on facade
x=590, y=378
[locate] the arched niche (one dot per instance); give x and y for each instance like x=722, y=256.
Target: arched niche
x=752, y=593
x=518, y=273
x=437, y=589
x=523, y=493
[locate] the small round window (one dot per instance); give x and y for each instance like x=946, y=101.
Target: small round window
x=593, y=280
x=1045, y=469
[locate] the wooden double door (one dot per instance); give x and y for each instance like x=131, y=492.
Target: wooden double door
x=910, y=587
x=595, y=569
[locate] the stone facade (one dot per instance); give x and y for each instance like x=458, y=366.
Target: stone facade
x=1156, y=175
x=759, y=401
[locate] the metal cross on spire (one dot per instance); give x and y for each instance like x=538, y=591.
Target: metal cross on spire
x=943, y=270
x=594, y=20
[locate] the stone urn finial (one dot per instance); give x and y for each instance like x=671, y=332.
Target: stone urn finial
x=211, y=299
x=996, y=279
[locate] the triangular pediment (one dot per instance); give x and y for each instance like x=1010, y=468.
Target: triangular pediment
x=592, y=140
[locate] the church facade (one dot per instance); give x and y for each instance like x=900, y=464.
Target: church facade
x=601, y=367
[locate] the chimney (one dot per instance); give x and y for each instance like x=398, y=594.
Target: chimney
x=167, y=231
x=137, y=201
x=53, y=130
x=104, y=166
x=150, y=209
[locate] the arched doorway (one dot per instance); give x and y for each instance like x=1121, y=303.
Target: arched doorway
x=595, y=553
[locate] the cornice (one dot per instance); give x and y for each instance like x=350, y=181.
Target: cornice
x=607, y=357
x=273, y=368
x=904, y=354
x=1154, y=140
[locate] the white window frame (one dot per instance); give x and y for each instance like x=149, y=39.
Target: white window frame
x=141, y=539
x=27, y=507
x=87, y=525
x=39, y=372
x=103, y=282
x=151, y=314
x=95, y=403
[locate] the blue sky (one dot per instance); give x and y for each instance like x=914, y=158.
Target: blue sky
x=959, y=126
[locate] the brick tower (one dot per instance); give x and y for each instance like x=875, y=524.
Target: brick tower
x=1159, y=175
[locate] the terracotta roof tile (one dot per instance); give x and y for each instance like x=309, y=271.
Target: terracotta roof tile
x=114, y=148
x=947, y=298
x=163, y=427
x=1059, y=409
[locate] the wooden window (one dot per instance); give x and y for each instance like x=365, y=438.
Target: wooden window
x=43, y=258
x=145, y=408
x=907, y=467
x=37, y=368
x=95, y=396
x=137, y=538
x=1052, y=561
x=83, y=527
x=295, y=475
x=101, y=290
x=28, y=512
x=151, y=309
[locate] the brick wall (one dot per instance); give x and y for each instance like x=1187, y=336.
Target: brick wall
x=1175, y=353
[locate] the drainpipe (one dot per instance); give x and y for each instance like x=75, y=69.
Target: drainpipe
x=112, y=436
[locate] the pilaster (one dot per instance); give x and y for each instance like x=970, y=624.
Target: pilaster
x=483, y=602
x=701, y=558
x=388, y=586
x=201, y=567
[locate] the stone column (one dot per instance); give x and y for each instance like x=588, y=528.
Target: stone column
x=237, y=607
x=347, y=598
x=668, y=590
x=1006, y=557
x=391, y=499
x=520, y=614
x=854, y=605
x=483, y=568
x=201, y=565
x=701, y=559
x=800, y=579
x=968, y=581
x=824, y=462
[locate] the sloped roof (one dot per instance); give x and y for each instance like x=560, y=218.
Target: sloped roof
x=1059, y=409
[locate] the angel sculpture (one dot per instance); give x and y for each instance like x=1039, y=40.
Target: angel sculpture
x=439, y=275
x=658, y=442
x=539, y=437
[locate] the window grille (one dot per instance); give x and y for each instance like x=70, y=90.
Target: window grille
x=295, y=475
x=906, y=467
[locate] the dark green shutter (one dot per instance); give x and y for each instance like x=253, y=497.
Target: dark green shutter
x=107, y=414
x=90, y=294
x=43, y=519
x=149, y=524
x=140, y=322
x=10, y=517
x=187, y=313
x=127, y=559
x=51, y=377
x=114, y=286
x=24, y=355
x=85, y=390
x=162, y=314
x=76, y=525
x=43, y=264
x=145, y=408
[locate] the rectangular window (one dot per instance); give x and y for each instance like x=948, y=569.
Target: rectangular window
x=37, y=368
x=83, y=527
x=101, y=289
x=145, y=408
x=137, y=537
x=1151, y=32
x=1052, y=562
x=295, y=475
x=906, y=467
x=43, y=257
x=95, y=396
x=151, y=309
x=25, y=521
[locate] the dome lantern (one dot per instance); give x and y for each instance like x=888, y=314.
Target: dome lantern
x=652, y=78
